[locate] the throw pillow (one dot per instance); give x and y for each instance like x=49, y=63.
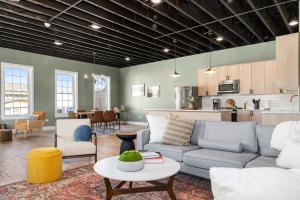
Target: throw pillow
x=157, y=126
x=223, y=146
x=289, y=155
x=82, y=133
x=255, y=183
x=178, y=131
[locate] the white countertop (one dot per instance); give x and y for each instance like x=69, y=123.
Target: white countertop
x=174, y=110
x=280, y=112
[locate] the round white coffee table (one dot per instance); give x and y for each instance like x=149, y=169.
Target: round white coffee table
x=151, y=173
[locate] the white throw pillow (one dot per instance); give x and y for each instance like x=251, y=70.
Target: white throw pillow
x=260, y=183
x=157, y=125
x=289, y=156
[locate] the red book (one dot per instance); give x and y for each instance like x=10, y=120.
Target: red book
x=157, y=160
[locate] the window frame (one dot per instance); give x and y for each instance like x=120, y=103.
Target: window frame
x=109, y=91
x=75, y=94
x=31, y=89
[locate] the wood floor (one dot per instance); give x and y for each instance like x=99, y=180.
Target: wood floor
x=13, y=154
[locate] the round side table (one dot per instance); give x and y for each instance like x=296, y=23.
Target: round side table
x=127, y=141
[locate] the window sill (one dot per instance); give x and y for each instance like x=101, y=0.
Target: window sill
x=15, y=117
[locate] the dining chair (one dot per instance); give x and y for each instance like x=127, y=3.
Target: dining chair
x=72, y=115
x=41, y=115
x=97, y=119
x=109, y=118
x=82, y=116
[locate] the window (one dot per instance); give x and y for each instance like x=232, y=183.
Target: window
x=102, y=92
x=66, y=94
x=17, y=90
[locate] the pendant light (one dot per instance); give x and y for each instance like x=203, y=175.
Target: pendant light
x=94, y=78
x=175, y=74
x=210, y=70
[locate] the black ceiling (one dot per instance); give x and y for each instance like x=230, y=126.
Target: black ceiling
x=140, y=29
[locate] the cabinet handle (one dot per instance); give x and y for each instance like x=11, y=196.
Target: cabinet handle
x=251, y=91
x=206, y=93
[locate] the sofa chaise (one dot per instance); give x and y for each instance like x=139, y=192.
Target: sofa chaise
x=218, y=144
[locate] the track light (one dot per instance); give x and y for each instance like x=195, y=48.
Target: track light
x=95, y=26
x=293, y=22
x=58, y=43
x=47, y=24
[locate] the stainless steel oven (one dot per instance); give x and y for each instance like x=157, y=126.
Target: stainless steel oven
x=229, y=86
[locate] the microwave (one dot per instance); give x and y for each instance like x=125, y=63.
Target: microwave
x=229, y=86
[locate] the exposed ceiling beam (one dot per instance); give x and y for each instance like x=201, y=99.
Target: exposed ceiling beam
x=195, y=15
x=265, y=19
x=244, y=19
x=215, y=12
x=282, y=13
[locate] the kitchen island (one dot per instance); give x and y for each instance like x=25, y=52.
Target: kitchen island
x=210, y=115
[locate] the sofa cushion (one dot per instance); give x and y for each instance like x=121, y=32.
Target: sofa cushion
x=223, y=146
x=197, y=131
x=207, y=158
x=264, y=136
x=157, y=126
x=76, y=148
x=262, y=161
x=170, y=151
x=235, y=132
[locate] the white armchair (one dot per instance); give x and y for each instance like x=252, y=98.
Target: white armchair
x=65, y=142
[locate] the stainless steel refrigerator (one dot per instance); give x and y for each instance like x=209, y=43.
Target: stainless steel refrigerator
x=183, y=96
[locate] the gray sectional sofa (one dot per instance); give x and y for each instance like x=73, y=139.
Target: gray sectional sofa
x=218, y=144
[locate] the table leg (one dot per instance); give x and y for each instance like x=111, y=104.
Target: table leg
x=130, y=184
x=109, y=190
x=170, y=188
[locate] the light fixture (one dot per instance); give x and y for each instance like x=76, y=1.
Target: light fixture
x=166, y=50
x=94, y=80
x=127, y=58
x=86, y=76
x=219, y=38
x=175, y=74
x=47, y=24
x=58, y=43
x=293, y=22
x=156, y=1
x=210, y=70
x=95, y=26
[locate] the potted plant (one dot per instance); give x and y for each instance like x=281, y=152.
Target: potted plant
x=130, y=161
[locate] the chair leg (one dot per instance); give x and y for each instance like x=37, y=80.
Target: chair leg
x=25, y=132
x=95, y=158
x=16, y=133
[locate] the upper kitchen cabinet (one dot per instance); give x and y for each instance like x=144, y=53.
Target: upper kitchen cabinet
x=245, y=78
x=258, y=78
x=202, y=83
x=222, y=73
x=271, y=77
x=212, y=83
x=287, y=61
x=233, y=72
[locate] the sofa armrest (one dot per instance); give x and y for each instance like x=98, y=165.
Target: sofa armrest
x=143, y=137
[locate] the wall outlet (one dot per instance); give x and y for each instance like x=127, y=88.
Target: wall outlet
x=46, y=120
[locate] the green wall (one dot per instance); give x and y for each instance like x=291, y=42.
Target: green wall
x=157, y=73
x=44, y=67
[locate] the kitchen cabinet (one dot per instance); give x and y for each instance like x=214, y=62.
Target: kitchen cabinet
x=202, y=83
x=233, y=72
x=249, y=115
x=287, y=61
x=212, y=83
x=269, y=118
x=222, y=73
x=270, y=78
x=245, y=78
x=258, y=77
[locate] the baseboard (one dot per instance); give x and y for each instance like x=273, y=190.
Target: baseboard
x=48, y=128
x=137, y=123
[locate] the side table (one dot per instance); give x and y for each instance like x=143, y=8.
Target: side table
x=127, y=141
x=5, y=135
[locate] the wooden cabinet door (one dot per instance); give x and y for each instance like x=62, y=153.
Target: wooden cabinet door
x=256, y=116
x=245, y=78
x=233, y=72
x=212, y=83
x=270, y=78
x=202, y=83
x=243, y=115
x=287, y=59
x=222, y=73
x=258, y=77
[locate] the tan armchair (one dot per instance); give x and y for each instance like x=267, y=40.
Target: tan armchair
x=41, y=115
x=26, y=125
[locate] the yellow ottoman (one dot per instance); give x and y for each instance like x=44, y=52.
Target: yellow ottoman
x=44, y=165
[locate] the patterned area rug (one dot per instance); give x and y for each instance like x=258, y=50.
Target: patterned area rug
x=84, y=184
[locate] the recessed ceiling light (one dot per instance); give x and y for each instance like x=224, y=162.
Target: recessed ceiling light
x=293, y=22
x=156, y=1
x=56, y=42
x=166, y=50
x=95, y=26
x=47, y=24
x=219, y=38
x=127, y=58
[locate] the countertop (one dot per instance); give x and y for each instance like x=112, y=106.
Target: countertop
x=280, y=112
x=201, y=110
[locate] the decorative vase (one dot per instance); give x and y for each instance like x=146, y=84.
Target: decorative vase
x=131, y=166
x=190, y=105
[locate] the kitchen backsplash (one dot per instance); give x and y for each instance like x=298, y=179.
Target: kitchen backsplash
x=278, y=102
